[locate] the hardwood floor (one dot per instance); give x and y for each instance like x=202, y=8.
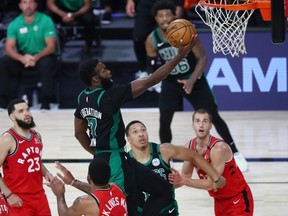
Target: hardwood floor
x=260, y=136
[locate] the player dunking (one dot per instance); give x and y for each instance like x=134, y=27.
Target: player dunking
x=23, y=170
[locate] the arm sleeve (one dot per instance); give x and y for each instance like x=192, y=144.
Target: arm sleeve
x=77, y=111
x=11, y=32
x=116, y=96
x=50, y=31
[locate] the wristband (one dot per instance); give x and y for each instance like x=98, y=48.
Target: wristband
x=9, y=195
x=216, y=181
x=73, y=181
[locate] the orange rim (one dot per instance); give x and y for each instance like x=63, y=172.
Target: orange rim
x=250, y=4
x=263, y=5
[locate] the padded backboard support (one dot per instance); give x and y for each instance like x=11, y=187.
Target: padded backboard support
x=278, y=21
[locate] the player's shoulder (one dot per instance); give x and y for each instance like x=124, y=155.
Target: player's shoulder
x=16, y=21
x=150, y=40
x=7, y=140
x=220, y=146
x=37, y=133
x=85, y=202
x=6, y=137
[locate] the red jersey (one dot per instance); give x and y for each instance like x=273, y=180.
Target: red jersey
x=22, y=168
x=3, y=205
x=235, y=182
x=111, y=201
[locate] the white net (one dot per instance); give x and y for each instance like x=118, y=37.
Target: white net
x=228, y=26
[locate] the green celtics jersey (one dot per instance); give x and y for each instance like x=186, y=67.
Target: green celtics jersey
x=71, y=5
x=159, y=166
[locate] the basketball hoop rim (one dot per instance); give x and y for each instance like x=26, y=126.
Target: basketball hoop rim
x=250, y=5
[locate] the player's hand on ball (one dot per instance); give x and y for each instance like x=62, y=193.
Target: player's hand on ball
x=185, y=49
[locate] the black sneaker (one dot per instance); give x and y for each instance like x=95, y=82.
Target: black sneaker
x=107, y=18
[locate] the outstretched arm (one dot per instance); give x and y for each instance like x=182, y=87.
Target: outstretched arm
x=179, y=180
x=140, y=85
x=67, y=177
x=182, y=153
x=84, y=205
x=220, y=154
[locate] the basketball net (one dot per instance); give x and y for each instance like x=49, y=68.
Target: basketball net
x=228, y=26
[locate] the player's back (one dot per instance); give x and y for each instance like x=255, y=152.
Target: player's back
x=111, y=201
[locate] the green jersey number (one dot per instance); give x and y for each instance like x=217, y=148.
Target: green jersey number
x=182, y=67
x=92, y=124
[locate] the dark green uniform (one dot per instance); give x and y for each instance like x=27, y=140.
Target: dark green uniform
x=101, y=109
x=159, y=166
x=71, y=5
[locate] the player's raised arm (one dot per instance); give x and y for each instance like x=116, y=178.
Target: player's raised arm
x=140, y=85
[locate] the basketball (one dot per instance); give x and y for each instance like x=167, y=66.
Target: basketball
x=180, y=29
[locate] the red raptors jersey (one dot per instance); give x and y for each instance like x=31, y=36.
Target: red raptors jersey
x=3, y=206
x=111, y=201
x=235, y=182
x=22, y=168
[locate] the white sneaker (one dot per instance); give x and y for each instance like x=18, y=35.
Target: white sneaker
x=157, y=87
x=141, y=74
x=241, y=162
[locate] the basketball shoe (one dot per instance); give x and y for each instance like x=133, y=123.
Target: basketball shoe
x=142, y=74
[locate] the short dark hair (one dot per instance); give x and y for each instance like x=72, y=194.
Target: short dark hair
x=11, y=105
x=87, y=70
x=99, y=171
x=130, y=124
x=163, y=5
x=202, y=111
x=34, y=1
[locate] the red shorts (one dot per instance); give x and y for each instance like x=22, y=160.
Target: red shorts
x=3, y=206
x=240, y=205
x=33, y=205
